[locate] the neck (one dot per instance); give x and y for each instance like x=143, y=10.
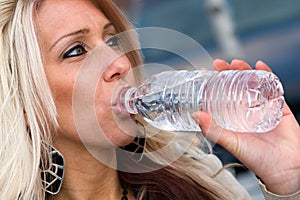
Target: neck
x=87, y=178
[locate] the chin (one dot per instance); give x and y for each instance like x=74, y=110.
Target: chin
x=123, y=140
x=122, y=135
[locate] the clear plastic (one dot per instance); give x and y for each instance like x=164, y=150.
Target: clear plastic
x=238, y=100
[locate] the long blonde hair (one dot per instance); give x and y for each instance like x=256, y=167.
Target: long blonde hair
x=24, y=103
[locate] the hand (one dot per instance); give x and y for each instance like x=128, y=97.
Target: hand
x=273, y=156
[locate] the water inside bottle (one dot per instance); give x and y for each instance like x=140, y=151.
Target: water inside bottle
x=253, y=105
x=162, y=111
x=168, y=101
x=242, y=101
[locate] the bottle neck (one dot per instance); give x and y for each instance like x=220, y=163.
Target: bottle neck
x=127, y=100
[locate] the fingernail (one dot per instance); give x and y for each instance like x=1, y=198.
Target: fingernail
x=235, y=60
x=260, y=62
x=216, y=61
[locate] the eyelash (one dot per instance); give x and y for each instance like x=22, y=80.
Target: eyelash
x=113, y=42
x=73, y=49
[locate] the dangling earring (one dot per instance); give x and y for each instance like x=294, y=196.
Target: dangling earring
x=53, y=176
x=136, y=148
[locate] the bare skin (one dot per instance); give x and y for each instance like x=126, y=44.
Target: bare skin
x=272, y=156
x=68, y=31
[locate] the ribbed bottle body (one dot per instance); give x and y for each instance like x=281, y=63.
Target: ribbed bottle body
x=244, y=101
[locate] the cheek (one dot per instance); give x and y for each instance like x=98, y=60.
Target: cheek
x=61, y=85
x=102, y=103
x=107, y=121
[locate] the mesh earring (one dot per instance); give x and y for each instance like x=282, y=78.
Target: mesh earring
x=136, y=148
x=53, y=176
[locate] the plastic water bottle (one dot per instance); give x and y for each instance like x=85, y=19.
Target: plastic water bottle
x=238, y=100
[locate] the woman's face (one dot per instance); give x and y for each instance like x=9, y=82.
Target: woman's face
x=68, y=31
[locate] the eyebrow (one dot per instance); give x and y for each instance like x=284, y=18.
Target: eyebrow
x=81, y=31
x=106, y=26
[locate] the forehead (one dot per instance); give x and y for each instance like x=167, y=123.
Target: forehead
x=58, y=14
x=63, y=6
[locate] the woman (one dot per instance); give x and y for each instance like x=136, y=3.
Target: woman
x=43, y=46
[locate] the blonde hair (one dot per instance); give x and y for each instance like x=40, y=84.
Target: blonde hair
x=26, y=109
x=198, y=168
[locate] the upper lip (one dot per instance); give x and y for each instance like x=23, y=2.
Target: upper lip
x=116, y=96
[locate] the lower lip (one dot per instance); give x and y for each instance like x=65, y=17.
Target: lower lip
x=119, y=111
x=117, y=108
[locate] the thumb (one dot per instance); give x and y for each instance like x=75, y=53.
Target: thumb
x=212, y=131
x=204, y=120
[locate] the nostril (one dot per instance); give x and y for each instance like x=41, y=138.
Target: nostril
x=115, y=75
x=118, y=69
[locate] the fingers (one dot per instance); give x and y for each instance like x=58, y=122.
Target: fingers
x=223, y=137
x=203, y=119
x=288, y=114
x=240, y=65
x=221, y=65
x=260, y=65
x=236, y=64
x=286, y=109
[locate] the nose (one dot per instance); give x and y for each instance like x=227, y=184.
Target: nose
x=117, y=69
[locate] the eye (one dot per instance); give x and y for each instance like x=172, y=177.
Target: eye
x=113, y=42
x=77, y=50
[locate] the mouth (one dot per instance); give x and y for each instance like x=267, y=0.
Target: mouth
x=116, y=104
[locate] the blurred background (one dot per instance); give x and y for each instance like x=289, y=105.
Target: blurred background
x=267, y=30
